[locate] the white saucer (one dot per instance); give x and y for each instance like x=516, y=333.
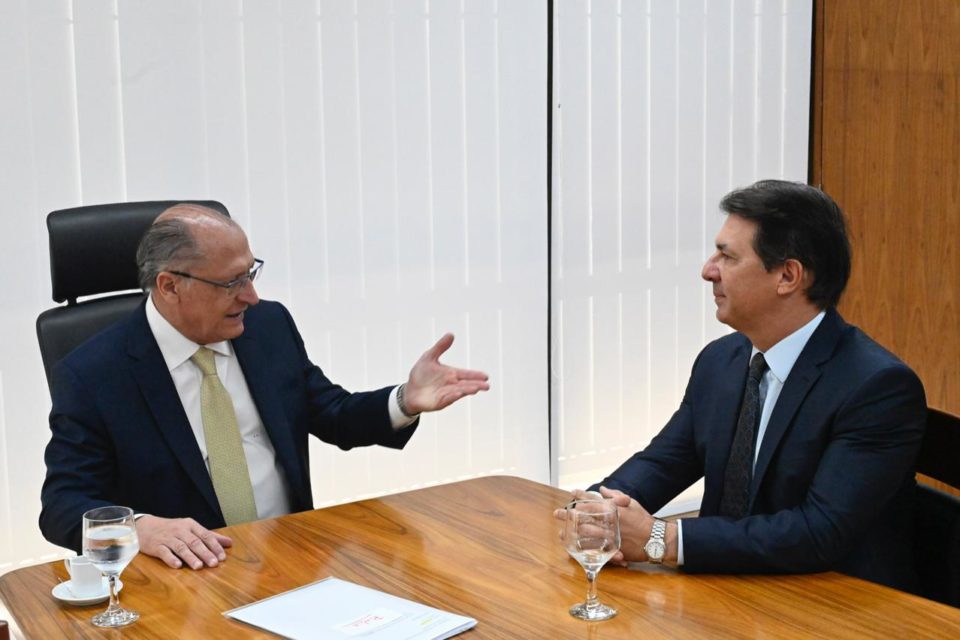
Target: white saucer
x=62, y=593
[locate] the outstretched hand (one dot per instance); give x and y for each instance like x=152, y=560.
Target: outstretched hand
x=433, y=385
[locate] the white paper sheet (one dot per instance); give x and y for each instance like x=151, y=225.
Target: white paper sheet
x=334, y=609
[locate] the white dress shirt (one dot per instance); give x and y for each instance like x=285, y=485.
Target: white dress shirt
x=270, y=491
x=780, y=359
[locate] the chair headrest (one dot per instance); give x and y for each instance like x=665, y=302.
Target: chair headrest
x=93, y=249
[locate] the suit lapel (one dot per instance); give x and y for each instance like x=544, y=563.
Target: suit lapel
x=802, y=377
x=160, y=394
x=256, y=371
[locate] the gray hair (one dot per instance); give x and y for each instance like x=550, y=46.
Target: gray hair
x=166, y=242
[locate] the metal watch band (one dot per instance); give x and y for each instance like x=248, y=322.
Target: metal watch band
x=656, y=546
x=403, y=405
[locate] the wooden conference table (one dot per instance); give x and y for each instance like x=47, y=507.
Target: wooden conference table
x=486, y=548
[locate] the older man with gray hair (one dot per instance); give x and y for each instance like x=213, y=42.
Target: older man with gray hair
x=195, y=410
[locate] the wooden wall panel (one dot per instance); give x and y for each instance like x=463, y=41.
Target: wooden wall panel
x=886, y=146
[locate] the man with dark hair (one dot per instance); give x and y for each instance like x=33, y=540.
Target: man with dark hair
x=195, y=410
x=804, y=429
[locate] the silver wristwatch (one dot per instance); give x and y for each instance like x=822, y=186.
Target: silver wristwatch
x=656, y=545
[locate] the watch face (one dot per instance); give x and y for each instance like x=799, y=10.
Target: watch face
x=655, y=549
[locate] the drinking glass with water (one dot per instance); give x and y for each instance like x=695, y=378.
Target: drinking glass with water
x=110, y=541
x=591, y=535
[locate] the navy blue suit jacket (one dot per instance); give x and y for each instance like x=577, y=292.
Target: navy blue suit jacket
x=120, y=434
x=834, y=479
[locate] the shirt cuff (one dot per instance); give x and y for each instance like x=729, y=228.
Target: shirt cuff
x=679, y=543
x=397, y=418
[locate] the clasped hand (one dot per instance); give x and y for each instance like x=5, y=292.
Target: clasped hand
x=635, y=523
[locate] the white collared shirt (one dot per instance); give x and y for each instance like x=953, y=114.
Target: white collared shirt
x=780, y=359
x=270, y=490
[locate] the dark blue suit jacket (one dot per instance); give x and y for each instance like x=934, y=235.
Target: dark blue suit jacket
x=120, y=434
x=834, y=479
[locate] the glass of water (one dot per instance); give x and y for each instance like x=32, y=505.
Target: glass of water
x=591, y=534
x=110, y=541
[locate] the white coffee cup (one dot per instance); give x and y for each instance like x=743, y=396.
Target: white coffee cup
x=85, y=579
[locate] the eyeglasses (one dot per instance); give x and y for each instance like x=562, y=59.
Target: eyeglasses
x=234, y=286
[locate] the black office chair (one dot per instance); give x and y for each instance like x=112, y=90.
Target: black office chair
x=937, y=513
x=92, y=253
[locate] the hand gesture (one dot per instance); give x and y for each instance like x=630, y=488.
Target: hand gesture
x=433, y=385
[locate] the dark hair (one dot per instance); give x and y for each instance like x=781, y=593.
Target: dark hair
x=800, y=222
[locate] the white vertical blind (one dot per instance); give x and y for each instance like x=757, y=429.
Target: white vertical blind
x=660, y=108
x=386, y=158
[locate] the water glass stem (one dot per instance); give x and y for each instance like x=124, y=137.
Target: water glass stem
x=592, y=601
x=114, y=605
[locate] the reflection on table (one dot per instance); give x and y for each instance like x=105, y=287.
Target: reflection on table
x=450, y=547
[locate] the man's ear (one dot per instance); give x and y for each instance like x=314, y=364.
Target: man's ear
x=167, y=286
x=793, y=277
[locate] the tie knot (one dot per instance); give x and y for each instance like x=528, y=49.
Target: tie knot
x=757, y=366
x=203, y=358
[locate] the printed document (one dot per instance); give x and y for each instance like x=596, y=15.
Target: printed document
x=334, y=609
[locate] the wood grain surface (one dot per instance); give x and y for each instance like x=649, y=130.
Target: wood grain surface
x=889, y=105
x=486, y=548
x=886, y=146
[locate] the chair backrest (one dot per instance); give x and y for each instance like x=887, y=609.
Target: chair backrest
x=940, y=452
x=93, y=252
x=937, y=513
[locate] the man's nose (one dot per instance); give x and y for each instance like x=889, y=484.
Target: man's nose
x=710, y=273
x=248, y=294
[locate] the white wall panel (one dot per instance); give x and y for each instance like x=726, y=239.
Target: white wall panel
x=38, y=169
x=162, y=79
x=386, y=158
x=661, y=107
x=96, y=70
x=224, y=97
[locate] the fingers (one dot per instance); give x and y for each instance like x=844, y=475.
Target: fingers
x=591, y=530
x=446, y=397
x=182, y=541
x=210, y=547
x=610, y=493
x=619, y=498
x=168, y=557
x=432, y=386
x=470, y=387
x=437, y=350
x=225, y=541
x=469, y=374
x=185, y=551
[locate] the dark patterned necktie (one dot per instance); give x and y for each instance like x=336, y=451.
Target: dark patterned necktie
x=739, y=471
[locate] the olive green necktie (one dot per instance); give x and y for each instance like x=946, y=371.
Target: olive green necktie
x=228, y=464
